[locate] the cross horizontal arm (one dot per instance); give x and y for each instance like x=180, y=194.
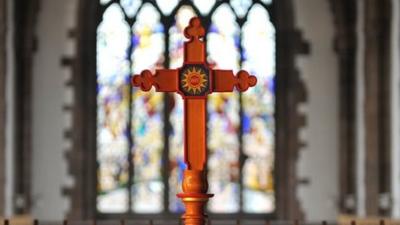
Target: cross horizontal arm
x=225, y=80
x=163, y=80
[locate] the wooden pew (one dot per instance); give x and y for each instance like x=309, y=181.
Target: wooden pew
x=353, y=220
x=18, y=220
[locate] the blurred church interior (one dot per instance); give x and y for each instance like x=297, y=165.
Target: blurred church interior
x=317, y=139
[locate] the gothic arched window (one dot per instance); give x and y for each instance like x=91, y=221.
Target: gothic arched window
x=139, y=135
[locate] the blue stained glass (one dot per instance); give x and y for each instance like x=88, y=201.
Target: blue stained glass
x=246, y=123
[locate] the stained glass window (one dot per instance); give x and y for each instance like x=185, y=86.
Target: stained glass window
x=147, y=117
x=140, y=134
x=224, y=118
x=113, y=36
x=258, y=112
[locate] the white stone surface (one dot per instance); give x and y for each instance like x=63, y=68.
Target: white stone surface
x=49, y=167
x=9, y=185
x=360, y=123
x=318, y=161
x=395, y=110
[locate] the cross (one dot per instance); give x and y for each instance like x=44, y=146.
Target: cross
x=194, y=81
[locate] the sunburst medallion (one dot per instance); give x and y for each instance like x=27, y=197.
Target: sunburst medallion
x=194, y=80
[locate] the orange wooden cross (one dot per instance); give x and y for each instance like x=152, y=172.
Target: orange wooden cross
x=194, y=81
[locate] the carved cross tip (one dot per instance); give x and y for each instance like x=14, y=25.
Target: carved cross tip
x=245, y=80
x=194, y=30
x=144, y=80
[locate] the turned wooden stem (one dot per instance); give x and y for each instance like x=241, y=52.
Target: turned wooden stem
x=194, y=196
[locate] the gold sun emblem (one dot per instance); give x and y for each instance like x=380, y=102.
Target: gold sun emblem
x=194, y=80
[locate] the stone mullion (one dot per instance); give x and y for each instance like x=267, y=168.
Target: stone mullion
x=3, y=32
x=25, y=15
x=344, y=12
x=376, y=72
x=371, y=108
x=384, y=107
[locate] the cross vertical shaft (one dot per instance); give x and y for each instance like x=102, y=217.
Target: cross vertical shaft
x=194, y=180
x=195, y=130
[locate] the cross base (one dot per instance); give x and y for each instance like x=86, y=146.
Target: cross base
x=194, y=196
x=194, y=204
